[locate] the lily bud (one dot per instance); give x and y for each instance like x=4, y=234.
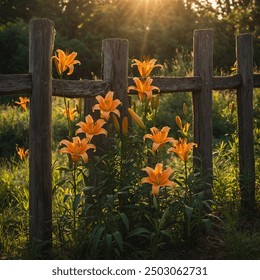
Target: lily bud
x=186, y=128
x=232, y=107
x=155, y=102
x=178, y=122
x=116, y=123
x=136, y=118
x=125, y=126
x=185, y=109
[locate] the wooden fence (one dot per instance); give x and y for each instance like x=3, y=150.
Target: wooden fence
x=40, y=87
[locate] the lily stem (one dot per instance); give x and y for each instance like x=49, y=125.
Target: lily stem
x=66, y=107
x=73, y=206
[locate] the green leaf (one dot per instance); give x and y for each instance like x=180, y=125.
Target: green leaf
x=96, y=236
x=188, y=211
x=166, y=233
x=125, y=220
x=207, y=204
x=88, y=188
x=201, y=196
x=207, y=224
x=109, y=238
x=155, y=203
x=63, y=168
x=61, y=182
x=110, y=198
x=163, y=218
x=139, y=232
x=66, y=197
x=87, y=207
x=76, y=201
x=118, y=237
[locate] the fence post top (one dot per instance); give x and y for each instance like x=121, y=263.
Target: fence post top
x=115, y=40
x=43, y=20
x=245, y=35
x=204, y=30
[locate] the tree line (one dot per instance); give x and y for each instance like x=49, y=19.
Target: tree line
x=159, y=28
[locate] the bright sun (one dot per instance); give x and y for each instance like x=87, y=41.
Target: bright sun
x=213, y=3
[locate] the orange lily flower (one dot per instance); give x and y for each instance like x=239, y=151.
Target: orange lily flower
x=158, y=177
x=22, y=153
x=143, y=88
x=159, y=137
x=63, y=61
x=69, y=113
x=146, y=66
x=107, y=105
x=91, y=128
x=23, y=102
x=77, y=148
x=182, y=148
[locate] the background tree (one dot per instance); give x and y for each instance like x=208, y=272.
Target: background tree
x=156, y=28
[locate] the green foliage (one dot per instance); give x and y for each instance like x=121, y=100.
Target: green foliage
x=14, y=209
x=14, y=48
x=241, y=243
x=114, y=216
x=100, y=209
x=14, y=123
x=88, y=49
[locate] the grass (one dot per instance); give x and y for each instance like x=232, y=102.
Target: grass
x=116, y=217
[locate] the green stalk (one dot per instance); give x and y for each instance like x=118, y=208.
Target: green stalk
x=74, y=193
x=66, y=107
x=188, y=190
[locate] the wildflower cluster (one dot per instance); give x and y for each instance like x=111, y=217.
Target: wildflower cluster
x=158, y=177
x=78, y=147
x=22, y=153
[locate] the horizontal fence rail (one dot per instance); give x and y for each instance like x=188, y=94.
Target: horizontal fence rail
x=14, y=84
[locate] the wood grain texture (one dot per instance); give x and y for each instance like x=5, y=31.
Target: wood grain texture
x=245, y=123
x=41, y=39
x=15, y=84
x=115, y=55
x=81, y=88
x=22, y=84
x=202, y=103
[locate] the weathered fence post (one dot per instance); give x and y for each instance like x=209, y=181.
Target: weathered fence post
x=115, y=69
x=202, y=102
x=244, y=53
x=41, y=39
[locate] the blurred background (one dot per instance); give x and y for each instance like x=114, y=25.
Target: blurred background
x=159, y=28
